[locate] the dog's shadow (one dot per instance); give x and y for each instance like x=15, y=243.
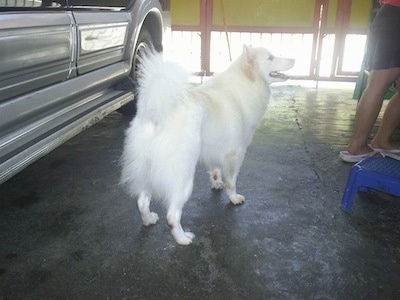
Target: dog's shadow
x=212, y=207
x=220, y=198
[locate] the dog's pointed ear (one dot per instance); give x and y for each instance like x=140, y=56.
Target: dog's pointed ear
x=248, y=54
x=248, y=64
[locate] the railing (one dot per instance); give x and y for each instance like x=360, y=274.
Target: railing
x=185, y=46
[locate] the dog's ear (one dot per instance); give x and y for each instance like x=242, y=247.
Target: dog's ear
x=248, y=58
x=248, y=53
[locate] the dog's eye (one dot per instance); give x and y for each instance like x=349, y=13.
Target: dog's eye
x=271, y=57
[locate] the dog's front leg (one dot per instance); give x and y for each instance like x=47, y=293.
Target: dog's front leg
x=233, y=196
x=216, y=179
x=233, y=162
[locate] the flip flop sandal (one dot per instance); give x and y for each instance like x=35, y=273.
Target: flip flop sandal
x=353, y=158
x=395, y=153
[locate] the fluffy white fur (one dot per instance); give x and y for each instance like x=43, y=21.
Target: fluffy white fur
x=178, y=124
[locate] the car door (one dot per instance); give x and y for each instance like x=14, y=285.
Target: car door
x=102, y=28
x=36, y=45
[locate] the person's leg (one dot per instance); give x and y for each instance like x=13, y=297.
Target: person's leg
x=369, y=106
x=390, y=121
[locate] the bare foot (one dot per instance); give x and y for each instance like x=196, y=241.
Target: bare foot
x=359, y=150
x=384, y=146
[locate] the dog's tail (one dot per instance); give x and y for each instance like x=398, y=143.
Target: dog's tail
x=162, y=85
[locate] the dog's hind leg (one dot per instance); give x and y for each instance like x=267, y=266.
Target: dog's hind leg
x=174, y=215
x=174, y=221
x=232, y=163
x=216, y=179
x=148, y=217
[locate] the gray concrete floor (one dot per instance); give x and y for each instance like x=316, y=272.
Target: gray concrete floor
x=68, y=231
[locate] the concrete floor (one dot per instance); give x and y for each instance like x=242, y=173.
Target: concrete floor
x=68, y=231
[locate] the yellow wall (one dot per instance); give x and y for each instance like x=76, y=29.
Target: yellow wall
x=269, y=13
x=332, y=10
x=275, y=13
x=359, y=16
x=185, y=12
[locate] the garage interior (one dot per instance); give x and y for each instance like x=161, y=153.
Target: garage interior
x=70, y=232
x=326, y=38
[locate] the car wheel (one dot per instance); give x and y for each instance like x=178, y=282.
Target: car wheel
x=144, y=45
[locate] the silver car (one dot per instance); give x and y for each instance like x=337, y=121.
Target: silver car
x=64, y=65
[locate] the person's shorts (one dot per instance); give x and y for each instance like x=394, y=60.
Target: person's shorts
x=383, y=51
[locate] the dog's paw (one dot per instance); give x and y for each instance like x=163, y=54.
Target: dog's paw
x=237, y=199
x=150, y=219
x=216, y=180
x=184, y=239
x=217, y=184
x=187, y=240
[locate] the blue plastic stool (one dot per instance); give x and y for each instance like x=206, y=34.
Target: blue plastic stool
x=376, y=173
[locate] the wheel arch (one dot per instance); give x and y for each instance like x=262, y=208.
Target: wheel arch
x=153, y=23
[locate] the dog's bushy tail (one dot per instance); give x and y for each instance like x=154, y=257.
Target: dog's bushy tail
x=162, y=84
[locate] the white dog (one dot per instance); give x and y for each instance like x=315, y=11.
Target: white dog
x=177, y=124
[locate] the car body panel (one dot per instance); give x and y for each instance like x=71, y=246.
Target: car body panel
x=102, y=39
x=62, y=67
x=34, y=55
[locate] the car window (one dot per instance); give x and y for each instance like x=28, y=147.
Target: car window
x=40, y=4
x=31, y=4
